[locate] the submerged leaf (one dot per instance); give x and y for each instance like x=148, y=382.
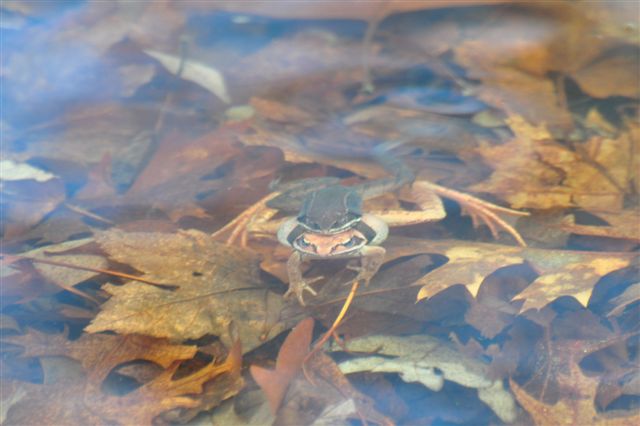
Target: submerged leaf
x=77, y=402
x=429, y=361
x=534, y=171
x=217, y=284
x=561, y=272
x=274, y=383
x=99, y=354
x=577, y=406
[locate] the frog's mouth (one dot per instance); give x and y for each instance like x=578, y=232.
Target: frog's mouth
x=329, y=245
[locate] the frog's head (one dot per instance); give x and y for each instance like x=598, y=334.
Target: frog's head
x=331, y=210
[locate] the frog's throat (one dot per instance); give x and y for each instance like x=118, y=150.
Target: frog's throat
x=360, y=226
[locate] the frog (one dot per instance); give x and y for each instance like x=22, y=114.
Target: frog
x=330, y=222
x=331, y=225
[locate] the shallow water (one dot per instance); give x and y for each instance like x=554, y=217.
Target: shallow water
x=142, y=143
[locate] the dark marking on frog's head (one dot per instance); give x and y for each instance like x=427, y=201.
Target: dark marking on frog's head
x=331, y=210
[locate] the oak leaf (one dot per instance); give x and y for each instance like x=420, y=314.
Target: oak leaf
x=80, y=402
x=576, y=408
x=561, y=272
x=100, y=353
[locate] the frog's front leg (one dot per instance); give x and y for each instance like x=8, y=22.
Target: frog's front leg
x=371, y=258
x=297, y=284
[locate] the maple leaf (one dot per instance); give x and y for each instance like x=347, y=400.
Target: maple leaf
x=174, y=175
x=217, y=284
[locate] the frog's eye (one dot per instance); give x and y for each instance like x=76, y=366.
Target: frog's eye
x=302, y=242
x=352, y=242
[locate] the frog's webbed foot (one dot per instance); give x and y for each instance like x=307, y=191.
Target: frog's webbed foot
x=370, y=261
x=298, y=287
x=297, y=284
x=479, y=210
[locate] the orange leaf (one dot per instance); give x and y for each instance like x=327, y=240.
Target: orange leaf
x=274, y=383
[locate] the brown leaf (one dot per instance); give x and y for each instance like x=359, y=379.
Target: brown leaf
x=80, y=403
x=613, y=74
x=492, y=310
x=490, y=58
x=25, y=202
x=162, y=394
x=100, y=353
x=577, y=408
x=181, y=172
x=325, y=397
x=514, y=54
x=217, y=284
x=22, y=283
x=175, y=174
x=533, y=171
x=36, y=279
x=274, y=383
x=623, y=224
x=561, y=272
x=279, y=112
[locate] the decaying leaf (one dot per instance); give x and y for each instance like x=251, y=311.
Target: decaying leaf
x=26, y=202
x=76, y=402
x=533, y=171
x=561, y=273
x=501, y=61
x=534, y=104
x=100, y=353
x=322, y=389
x=577, y=408
x=429, y=361
x=182, y=173
x=326, y=397
x=36, y=278
x=217, y=284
